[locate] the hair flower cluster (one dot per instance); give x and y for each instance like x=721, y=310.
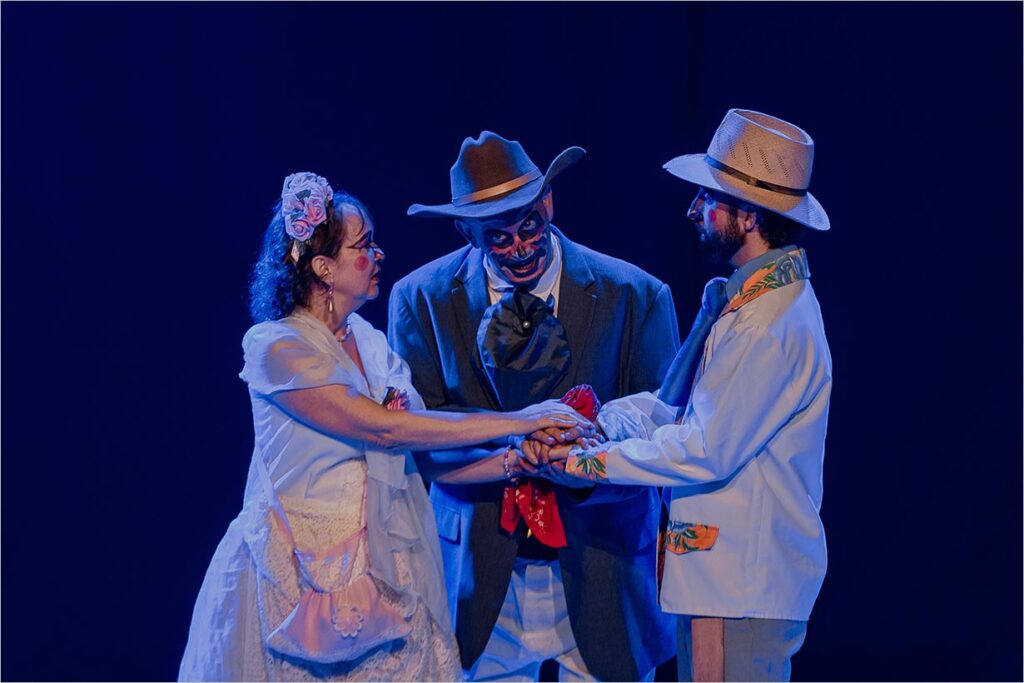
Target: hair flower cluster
x=304, y=201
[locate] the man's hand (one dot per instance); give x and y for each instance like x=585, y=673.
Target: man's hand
x=560, y=453
x=536, y=461
x=540, y=455
x=555, y=472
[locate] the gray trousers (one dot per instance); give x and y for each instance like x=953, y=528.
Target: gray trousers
x=754, y=649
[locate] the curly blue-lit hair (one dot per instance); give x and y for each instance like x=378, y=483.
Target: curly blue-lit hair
x=278, y=284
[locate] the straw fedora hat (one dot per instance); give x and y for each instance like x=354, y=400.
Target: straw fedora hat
x=493, y=175
x=760, y=159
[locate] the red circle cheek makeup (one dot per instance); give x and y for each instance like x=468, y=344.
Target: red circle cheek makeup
x=362, y=263
x=712, y=216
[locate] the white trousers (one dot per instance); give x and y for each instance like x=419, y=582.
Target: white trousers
x=533, y=626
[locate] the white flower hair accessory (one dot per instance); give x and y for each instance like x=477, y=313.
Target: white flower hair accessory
x=304, y=201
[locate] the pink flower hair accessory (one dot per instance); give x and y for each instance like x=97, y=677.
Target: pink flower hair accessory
x=305, y=198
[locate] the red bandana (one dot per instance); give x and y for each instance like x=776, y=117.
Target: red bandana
x=533, y=500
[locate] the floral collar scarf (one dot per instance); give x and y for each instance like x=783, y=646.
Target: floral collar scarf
x=777, y=268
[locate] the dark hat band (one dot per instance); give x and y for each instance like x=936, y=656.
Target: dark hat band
x=494, y=191
x=751, y=180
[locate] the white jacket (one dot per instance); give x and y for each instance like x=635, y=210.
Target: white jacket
x=746, y=457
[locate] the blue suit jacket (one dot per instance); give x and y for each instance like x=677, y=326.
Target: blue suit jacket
x=622, y=331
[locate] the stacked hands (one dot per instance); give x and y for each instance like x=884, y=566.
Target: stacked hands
x=558, y=426
x=543, y=452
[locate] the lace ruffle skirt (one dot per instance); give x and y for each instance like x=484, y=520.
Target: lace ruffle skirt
x=249, y=587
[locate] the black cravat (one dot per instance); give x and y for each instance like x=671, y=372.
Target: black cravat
x=523, y=348
x=675, y=390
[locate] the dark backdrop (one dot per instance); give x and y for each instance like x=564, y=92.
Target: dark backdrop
x=143, y=146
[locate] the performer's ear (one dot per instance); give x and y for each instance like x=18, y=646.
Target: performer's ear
x=321, y=269
x=549, y=206
x=748, y=217
x=466, y=231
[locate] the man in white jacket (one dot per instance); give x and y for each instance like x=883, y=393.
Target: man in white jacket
x=745, y=547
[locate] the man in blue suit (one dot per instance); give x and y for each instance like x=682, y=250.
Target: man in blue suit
x=518, y=316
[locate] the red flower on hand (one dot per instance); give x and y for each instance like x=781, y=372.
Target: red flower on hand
x=396, y=399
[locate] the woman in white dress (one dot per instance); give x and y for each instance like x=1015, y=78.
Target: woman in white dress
x=335, y=414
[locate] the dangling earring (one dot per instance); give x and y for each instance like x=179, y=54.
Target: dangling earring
x=330, y=298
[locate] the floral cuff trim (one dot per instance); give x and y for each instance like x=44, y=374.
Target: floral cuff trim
x=587, y=465
x=685, y=537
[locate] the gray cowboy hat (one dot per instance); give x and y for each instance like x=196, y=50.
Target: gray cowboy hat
x=493, y=175
x=761, y=159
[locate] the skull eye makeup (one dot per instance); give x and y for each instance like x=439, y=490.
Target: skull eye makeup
x=497, y=238
x=526, y=230
x=530, y=227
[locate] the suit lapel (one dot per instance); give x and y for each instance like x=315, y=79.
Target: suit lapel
x=576, y=302
x=470, y=299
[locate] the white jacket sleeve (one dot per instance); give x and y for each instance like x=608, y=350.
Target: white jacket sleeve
x=634, y=417
x=749, y=389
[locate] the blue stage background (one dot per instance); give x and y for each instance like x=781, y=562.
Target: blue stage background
x=143, y=147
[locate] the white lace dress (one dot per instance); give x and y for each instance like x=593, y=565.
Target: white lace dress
x=251, y=584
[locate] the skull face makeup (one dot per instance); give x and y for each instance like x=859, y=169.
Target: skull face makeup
x=517, y=243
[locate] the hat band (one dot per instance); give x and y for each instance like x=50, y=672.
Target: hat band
x=494, y=191
x=751, y=180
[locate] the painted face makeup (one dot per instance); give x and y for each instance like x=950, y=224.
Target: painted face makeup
x=707, y=212
x=365, y=257
x=720, y=234
x=517, y=246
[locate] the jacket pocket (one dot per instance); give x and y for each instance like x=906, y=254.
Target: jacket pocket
x=448, y=522
x=687, y=537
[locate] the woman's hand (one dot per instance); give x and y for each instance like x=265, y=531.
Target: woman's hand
x=551, y=414
x=556, y=435
x=533, y=453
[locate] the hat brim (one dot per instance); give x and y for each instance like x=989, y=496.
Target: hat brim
x=516, y=199
x=805, y=210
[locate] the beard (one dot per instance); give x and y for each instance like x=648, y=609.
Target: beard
x=719, y=247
